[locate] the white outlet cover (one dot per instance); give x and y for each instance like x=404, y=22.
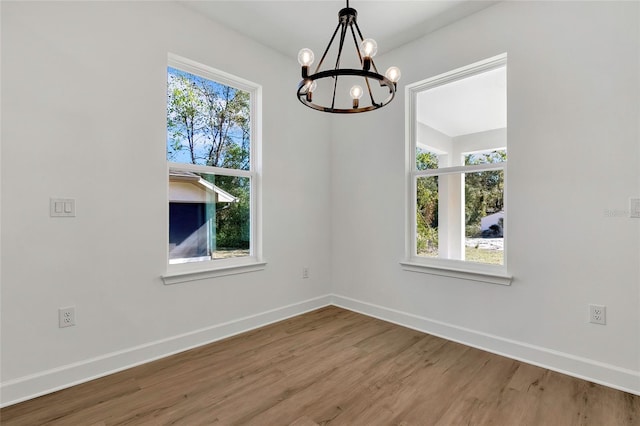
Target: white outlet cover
x=66, y=317
x=598, y=314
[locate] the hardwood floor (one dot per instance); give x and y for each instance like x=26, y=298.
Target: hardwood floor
x=332, y=367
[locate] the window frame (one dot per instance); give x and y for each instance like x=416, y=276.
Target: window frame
x=190, y=271
x=495, y=274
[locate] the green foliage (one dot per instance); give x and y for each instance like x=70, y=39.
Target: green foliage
x=233, y=219
x=484, y=191
x=473, y=230
x=184, y=115
x=426, y=160
x=427, y=205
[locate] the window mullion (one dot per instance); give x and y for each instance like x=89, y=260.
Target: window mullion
x=211, y=170
x=461, y=169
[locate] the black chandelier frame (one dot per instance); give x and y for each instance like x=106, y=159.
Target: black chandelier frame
x=347, y=20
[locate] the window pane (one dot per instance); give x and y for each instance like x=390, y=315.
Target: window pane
x=484, y=216
x=427, y=216
x=463, y=116
x=208, y=123
x=233, y=226
x=209, y=216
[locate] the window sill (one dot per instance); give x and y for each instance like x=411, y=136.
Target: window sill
x=194, y=275
x=465, y=274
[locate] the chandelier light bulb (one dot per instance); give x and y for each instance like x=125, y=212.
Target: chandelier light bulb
x=393, y=74
x=356, y=92
x=310, y=86
x=305, y=57
x=368, y=48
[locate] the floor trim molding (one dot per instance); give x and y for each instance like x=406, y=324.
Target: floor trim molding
x=42, y=383
x=32, y=386
x=605, y=374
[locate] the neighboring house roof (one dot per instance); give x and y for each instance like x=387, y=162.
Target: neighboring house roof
x=498, y=214
x=178, y=177
x=491, y=219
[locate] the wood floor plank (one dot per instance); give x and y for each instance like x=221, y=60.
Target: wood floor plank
x=303, y=421
x=332, y=367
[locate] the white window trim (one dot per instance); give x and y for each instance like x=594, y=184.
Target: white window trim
x=457, y=269
x=185, y=272
x=176, y=277
x=493, y=274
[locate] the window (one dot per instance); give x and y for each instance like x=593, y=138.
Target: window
x=213, y=169
x=457, y=174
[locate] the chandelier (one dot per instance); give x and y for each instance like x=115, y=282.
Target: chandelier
x=362, y=73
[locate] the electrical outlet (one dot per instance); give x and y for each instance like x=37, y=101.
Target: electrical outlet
x=66, y=317
x=598, y=314
x=305, y=272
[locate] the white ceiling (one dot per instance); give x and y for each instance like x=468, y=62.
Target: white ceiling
x=288, y=26
x=472, y=105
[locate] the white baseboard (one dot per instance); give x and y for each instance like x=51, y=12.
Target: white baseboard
x=32, y=386
x=583, y=368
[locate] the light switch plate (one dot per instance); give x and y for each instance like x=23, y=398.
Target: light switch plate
x=62, y=207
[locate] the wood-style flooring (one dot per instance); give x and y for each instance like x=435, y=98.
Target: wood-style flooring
x=332, y=367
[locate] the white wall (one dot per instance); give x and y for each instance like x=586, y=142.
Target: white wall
x=573, y=135
x=83, y=103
